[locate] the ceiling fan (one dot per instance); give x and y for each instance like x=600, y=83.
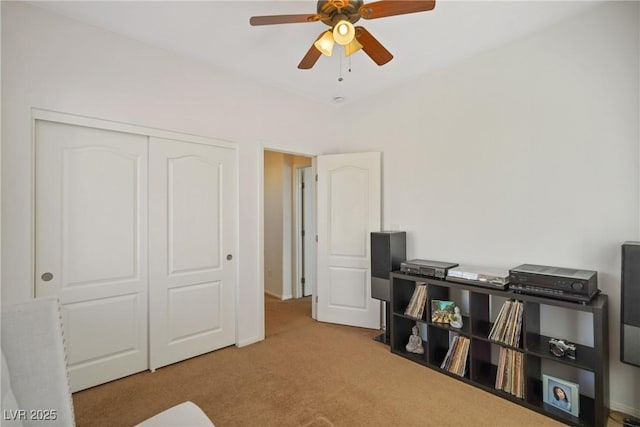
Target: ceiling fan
x=340, y=15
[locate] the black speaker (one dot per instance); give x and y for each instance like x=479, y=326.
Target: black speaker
x=388, y=250
x=630, y=303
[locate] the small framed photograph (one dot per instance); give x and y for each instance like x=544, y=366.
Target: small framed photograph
x=562, y=394
x=441, y=311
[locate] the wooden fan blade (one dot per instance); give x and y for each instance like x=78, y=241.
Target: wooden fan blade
x=311, y=57
x=283, y=19
x=381, y=9
x=372, y=47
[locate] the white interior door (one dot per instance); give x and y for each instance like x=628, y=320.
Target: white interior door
x=348, y=200
x=304, y=233
x=193, y=233
x=91, y=251
x=308, y=240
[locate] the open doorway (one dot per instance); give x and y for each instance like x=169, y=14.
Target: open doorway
x=289, y=265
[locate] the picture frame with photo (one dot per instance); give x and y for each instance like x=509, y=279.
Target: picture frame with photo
x=561, y=394
x=441, y=311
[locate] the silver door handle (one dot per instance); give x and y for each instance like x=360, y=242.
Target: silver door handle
x=46, y=277
x=229, y=257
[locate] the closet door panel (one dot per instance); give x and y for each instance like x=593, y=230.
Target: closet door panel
x=194, y=238
x=193, y=204
x=91, y=245
x=202, y=301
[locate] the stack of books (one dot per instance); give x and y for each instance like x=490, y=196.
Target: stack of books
x=456, y=359
x=508, y=326
x=415, y=308
x=510, y=375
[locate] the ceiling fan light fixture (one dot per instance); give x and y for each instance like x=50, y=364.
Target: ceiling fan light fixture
x=352, y=47
x=344, y=32
x=341, y=15
x=325, y=43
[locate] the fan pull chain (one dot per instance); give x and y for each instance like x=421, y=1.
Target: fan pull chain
x=340, y=68
x=349, y=64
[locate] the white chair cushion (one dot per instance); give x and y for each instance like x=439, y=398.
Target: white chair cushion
x=33, y=345
x=11, y=413
x=186, y=414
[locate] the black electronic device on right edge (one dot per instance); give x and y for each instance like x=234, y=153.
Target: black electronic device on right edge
x=630, y=299
x=554, y=282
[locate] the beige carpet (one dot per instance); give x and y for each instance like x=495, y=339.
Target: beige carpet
x=305, y=373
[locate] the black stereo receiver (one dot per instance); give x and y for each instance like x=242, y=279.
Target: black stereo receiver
x=423, y=267
x=554, y=282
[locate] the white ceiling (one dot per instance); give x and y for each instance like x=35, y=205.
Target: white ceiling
x=218, y=33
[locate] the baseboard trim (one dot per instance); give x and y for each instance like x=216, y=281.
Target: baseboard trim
x=273, y=294
x=634, y=412
x=249, y=341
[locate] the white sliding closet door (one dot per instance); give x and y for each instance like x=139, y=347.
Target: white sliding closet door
x=192, y=249
x=91, y=246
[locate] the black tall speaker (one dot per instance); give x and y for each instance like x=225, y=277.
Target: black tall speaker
x=630, y=301
x=388, y=250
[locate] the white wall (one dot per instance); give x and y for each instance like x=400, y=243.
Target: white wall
x=524, y=154
x=273, y=223
x=55, y=63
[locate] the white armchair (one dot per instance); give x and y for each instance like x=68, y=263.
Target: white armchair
x=35, y=385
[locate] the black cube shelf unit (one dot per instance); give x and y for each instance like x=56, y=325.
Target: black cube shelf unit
x=591, y=361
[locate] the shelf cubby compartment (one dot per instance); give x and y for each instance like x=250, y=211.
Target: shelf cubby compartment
x=480, y=316
x=402, y=331
x=485, y=358
x=512, y=324
x=438, y=345
x=535, y=392
x=438, y=354
x=538, y=345
x=437, y=292
x=483, y=367
x=402, y=295
x=464, y=330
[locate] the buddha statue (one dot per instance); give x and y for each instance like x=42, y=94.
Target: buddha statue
x=415, y=342
x=456, y=318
